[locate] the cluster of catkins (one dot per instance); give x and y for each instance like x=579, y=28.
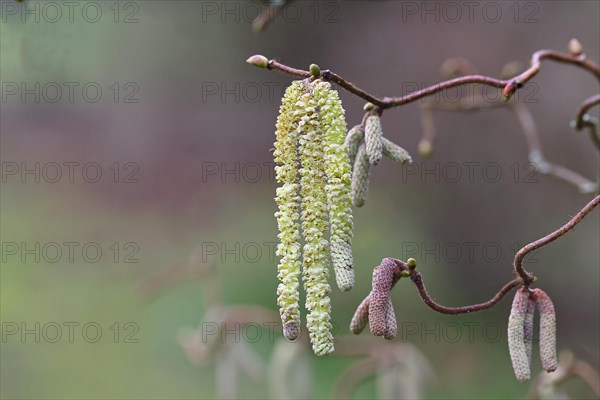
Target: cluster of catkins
x=366, y=148
x=520, y=332
x=377, y=309
x=313, y=170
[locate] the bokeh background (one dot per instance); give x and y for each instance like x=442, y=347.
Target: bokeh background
x=182, y=134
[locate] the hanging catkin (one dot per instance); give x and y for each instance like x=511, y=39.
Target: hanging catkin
x=288, y=200
x=313, y=200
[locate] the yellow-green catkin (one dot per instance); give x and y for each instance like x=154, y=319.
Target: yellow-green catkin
x=288, y=218
x=314, y=225
x=338, y=173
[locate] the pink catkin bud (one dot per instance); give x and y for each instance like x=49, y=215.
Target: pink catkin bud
x=361, y=317
x=547, y=330
x=516, y=337
x=383, y=279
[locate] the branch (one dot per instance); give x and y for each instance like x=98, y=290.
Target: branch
x=509, y=86
x=520, y=256
x=584, y=120
x=391, y=270
x=528, y=127
x=418, y=280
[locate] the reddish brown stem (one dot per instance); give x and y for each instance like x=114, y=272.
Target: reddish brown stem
x=520, y=256
x=418, y=280
x=509, y=85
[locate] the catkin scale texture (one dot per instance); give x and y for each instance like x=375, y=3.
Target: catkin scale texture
x=547, y=330
x=337, y=188
x=361, y=174
x=314, y=202
x=288, y=218
x=373, y=136
x=314, y=226
x=516, y=336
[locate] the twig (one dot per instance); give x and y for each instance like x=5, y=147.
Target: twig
x=583, y=120
x=418, y=280
x=509, y=86
x=520, y=256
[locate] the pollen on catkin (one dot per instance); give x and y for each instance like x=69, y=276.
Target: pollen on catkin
x=288, y=218
x=337, y=188
x=314, y=202
x=547, y=330
x=314, y=225
x=516, y=336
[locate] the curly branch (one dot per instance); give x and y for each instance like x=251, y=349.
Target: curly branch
x=520, y=256
x=509, y=86
x=391, y=270
x=418, y=280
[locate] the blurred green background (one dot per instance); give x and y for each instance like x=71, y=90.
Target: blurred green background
x=181, y=135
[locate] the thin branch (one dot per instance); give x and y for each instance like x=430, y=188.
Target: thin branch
x=418, y=281
x=528, y=126
x=509, y=86
x=584, y=108
x=584, y=120
x=520, y=256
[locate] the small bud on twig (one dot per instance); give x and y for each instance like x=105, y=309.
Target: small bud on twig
x=258, y=61
x=314, y=70
x=368, y=106
x=509, y=90
x=575, y=47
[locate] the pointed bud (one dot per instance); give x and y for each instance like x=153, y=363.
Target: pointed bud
x=373, y=135
x=258, y=61
x=516, y=336
x=395, y=153
x=547, y=330
x=361, y=175
x=361, y=317
x=575, y=47
x=509, y=90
